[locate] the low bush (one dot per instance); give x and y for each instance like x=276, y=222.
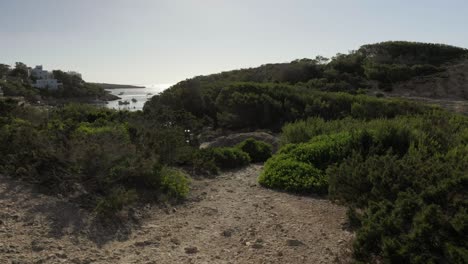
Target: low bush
x=174, y=183
x=117, y=199
x=322, y=151
x=230, y=158
x=258, y=151
x=403, y=179
x=286, y=173
x=203, y=162
x=210, y=161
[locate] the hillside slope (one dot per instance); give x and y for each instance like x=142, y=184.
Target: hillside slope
x=450, y=84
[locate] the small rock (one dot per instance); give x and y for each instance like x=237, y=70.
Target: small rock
x=257, y=246
x=294, y=243
x=61, y=254
x=191, y=250
x=144, y=243
x=227, y=233
x=175, y=241
x=37, y=245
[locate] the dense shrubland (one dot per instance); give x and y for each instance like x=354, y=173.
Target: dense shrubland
x=395, y=163
x=260, y=106
x=400, y=166
x=108, y=158
x=16, y=82
x=404, y=179
x=221, y=100
x=213, y=160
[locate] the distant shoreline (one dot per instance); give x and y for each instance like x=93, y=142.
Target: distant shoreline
x=118, y=86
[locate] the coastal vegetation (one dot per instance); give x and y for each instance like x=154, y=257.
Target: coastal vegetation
x=400, y=166
x=18, y=82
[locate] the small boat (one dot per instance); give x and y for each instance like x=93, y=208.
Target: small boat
x=124, y=102
x=149, y=94
x=134, y=100
x=121, y=93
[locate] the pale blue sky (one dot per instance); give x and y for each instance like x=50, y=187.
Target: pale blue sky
x=165, y=41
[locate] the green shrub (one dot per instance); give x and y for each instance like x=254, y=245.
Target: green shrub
x=174, y=183
x=203, y=162
x=324, y=150
x=286, y=173
x=229, y=158
x=258, y=151
x=115, y=201
x=210, y=161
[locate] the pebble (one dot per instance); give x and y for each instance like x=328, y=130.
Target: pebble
x=294, y=243
x=227, y=233
x=191, y=250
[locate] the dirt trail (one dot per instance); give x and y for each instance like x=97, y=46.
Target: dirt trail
x=229, y=219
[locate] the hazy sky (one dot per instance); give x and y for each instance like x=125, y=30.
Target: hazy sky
x=165, y=41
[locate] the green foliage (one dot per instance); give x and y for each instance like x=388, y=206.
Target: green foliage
x=286, y=173
x=258, y=151
x=103, y=152
x=404, y=179
x=210, y=161
x=74, y=86
x=174, y=182
x=412, y=53
x=229, y=158
x=18, y=88
x=271, y=95
x=115, y=201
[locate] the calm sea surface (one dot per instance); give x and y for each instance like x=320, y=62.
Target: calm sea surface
x=136, y=97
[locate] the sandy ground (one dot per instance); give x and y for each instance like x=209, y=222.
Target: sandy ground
x=229, y=219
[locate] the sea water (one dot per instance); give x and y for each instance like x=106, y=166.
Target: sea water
x=136, y=97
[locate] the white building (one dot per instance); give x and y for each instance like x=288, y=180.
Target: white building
x=39, y=73
x=51, y=84
x=44, y=79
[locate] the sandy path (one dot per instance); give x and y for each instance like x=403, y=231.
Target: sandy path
x=229, y=219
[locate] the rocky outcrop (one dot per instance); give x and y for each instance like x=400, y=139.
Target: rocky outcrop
x=233, y=139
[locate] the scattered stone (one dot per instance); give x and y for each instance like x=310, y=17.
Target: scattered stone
x=191, y=250
x=37, y=245
x=227, y=233
x=294, y=243
x=144, y=243
x=175, y=241
x=61, y=255
x=257, y=245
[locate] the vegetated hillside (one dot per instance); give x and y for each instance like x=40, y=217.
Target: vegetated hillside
x=399, y=165
x=452, y=83
x=16, y=82
x=377, y=66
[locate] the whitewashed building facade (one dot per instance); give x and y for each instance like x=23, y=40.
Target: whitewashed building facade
x=44, y=79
